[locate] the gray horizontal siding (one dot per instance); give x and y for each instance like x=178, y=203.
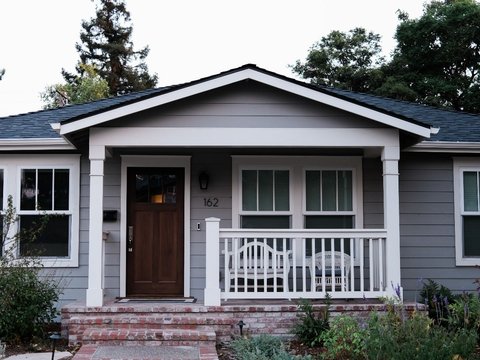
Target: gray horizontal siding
x=427, y=225
x=246, y=107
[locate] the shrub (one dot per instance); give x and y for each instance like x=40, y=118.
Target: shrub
x=437, y=298
x=344, y=339
x=262, y=347
x=26, y=299
x=310, y=326
x=465, y=313
x=389, y=337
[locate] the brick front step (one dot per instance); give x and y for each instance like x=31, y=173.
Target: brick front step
x=177, y=337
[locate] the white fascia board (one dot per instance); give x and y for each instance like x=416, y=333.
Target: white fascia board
x=445, y=146
x=35, y=144
x=243, y=137
x=236, y=77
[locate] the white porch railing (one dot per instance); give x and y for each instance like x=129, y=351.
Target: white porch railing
x=294, y=263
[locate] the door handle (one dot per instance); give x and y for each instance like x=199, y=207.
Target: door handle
x=130, y=239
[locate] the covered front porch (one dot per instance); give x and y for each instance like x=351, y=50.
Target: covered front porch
x=289, y=168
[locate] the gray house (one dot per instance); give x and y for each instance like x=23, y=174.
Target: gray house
x=247, y=185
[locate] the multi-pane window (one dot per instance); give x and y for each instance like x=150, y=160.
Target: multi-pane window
x=470, y=214
x=328, y=201
x=265, y=199
x=45, y=206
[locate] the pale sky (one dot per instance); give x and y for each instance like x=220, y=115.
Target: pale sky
x=188, y=39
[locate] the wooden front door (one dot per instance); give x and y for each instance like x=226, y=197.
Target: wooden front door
x=155, y=232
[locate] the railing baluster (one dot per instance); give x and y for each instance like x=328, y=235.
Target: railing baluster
x=362, y=265
x=312, y=267
x=274, y=265
x=294, y=262
x=342, y=264
x=380, y=265
x=370, y=254
x=255, y=266
x=332, y=262
x=284, y=267
x=265, y=258
x=226, y=265
x=304, y=272
x=351, y=286
x=236, y=260
x=324, y=278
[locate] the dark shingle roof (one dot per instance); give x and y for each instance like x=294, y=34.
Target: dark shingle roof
x=454, y=126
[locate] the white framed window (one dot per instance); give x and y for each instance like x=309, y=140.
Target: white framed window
x=329, y=200
x=317, y=186
x=467, y=211
x=46, y=187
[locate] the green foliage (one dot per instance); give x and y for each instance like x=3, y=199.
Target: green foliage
x=391, y=338
x=437, y=298
x=436, y=60
x=344, y=340
x=345, y=60
x=106, y=45
x=87, y=87
x=310, y=326
x=465, y=312
x=262, y=347
x=26, y=299
x=438, y=54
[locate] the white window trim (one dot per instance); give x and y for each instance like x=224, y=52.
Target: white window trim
x=12, y=166
x=297, y=166
x=460, y=165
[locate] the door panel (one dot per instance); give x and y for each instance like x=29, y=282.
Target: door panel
x=155, y=256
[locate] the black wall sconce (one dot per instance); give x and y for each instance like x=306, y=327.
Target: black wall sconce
x=203, y=180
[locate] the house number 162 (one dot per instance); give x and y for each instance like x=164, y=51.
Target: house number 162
x=210, y=202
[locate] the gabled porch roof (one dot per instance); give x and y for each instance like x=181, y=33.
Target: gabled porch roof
x=167, y=95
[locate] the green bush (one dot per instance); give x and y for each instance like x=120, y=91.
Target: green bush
x=465, y=313
x=311, y=326
x=262, y=347
x=344, y=339
x=437, y=298
x=26, y=302
x=26, y=299
x=390, y=337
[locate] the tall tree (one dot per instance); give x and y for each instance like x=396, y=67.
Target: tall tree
x=438, y=55
x=106, y=44
x=347, y=60
x=87, y=87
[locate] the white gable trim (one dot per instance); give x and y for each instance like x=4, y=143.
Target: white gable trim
x=237, y=76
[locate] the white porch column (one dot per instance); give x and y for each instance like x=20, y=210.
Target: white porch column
x=212, y=260
x=391, y=205
x=95, y=239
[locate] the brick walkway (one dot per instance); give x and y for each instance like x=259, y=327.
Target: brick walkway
x=146, y=352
